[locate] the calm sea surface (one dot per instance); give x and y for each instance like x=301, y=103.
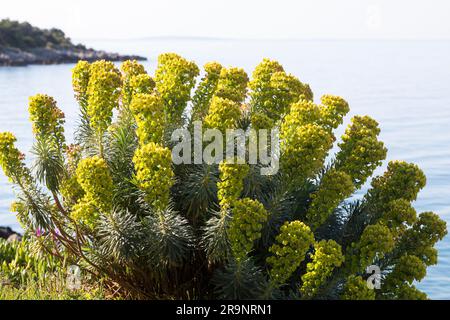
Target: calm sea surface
x=405, y=85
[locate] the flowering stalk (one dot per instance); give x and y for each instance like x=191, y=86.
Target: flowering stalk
x=327, y=256
x=289, y=251
x=205, y=91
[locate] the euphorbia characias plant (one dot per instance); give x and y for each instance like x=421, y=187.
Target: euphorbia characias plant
x=116, y=204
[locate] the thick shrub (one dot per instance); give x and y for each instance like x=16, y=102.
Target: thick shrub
x=117, y=205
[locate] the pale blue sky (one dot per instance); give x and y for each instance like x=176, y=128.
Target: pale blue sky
x=329, y=19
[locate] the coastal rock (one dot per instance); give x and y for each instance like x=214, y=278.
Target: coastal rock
x=22, y=44
x=14, y=237
x=8, y=234
x=17, y=57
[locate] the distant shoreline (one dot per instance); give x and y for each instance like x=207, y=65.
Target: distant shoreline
x=22, y=44
x=47, y=56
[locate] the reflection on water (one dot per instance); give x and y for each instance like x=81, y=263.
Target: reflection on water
x=405, y=85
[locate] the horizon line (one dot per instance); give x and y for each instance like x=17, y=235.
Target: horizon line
x=214, y=38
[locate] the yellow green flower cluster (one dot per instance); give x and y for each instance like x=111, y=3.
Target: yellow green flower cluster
x=419, y=240
x=73, y=156
x=260, y=120
x=333, y=111
x=47, y=119
x=232, y=84
x=399, y=282
x=103, y=94
x=329, y=114
x=80, y=81
x=401, y=180
x=142, y=83
x=69, y=187
x=286, y=90
x=130, y=69
x=273, y=91
x=22, y=213
x=205, y=90
x=303, y=150
x=408, y=268
x=148, y=111
x=360, y=151
x=12, y=160
x=94, y=177
x=175, y=78
x=12, y=163
x=409, y=292
x=223, y=114
x=288, y=252
x=71, y=190
x=260, y=90
x=153, y=165
x=398, y=216
x=356, y=289
x=430, y=227
x=231, y=182
x=261, y=76
x=305, y=138
x=376, y=241
x=248, y=219
x=86, y=212
x=326, y=257
x=335, y=187
x=390, y=196
x=301, y=113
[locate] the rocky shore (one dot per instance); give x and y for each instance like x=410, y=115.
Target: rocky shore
x=8, y=234
x=18, y=57
x=22, y=44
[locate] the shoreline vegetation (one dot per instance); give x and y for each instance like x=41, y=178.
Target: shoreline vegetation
x=22, y=44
